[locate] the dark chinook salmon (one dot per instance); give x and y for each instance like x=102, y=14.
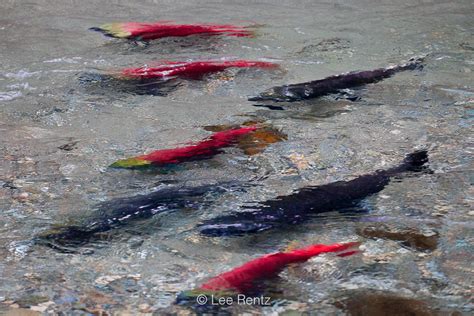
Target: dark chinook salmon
x=333, y=84
x=301, y=205
x=123, y=211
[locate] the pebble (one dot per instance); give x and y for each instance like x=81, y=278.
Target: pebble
x=145, y=308
x=67, y=169
x=135, y=242
x=42, y=307
x=299, y=160
x=22, y=196
x=34, y=277
x=18, y=183
x=26, y=160
x=105, y=280
x=38, y=308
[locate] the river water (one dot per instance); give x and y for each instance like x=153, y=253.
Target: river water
x=45, y=48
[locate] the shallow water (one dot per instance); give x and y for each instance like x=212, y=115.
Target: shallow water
x=45, y=49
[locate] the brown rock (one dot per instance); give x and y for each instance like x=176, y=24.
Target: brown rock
x=255, y=142
x=411, y=237
x=379, y=303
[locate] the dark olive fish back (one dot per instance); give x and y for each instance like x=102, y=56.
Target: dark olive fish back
x=332, y=84
x=298, y=207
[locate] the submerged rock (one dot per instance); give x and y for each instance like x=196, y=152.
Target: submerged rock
x=255, y=142
x=408, y=236
x=107, y=279
x=334, y=44
x=31, y=300
x=334, y=48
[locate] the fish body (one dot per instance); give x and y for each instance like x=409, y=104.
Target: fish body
x=160, y=29
x=301, y=205
x=201, y=150
x=120, y=212
x=193, y=70
x=332, y=84
x=242, y=278
x=246, y=277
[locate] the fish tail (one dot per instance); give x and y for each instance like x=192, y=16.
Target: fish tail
x=348, y=253
x=243, y=33
x=265, y=64
x=415, y=62
x=240, y=31
x=96, y=29
x=248, y=63
x=315, y=250
x=416, y=160
x=252, y=33
x=254, y=30
x=254, y=25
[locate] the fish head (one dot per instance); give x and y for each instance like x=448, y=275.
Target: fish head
x=278, y=94
x=266, y=95
x=118, y=30
x=63, y=237
x=131, y=163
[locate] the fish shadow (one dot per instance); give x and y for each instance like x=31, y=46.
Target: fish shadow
x=97, y=83
x=167, y=45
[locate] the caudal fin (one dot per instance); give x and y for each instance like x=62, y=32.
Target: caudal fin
x=416, y=160
x=416, y=62
x=315, y=250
